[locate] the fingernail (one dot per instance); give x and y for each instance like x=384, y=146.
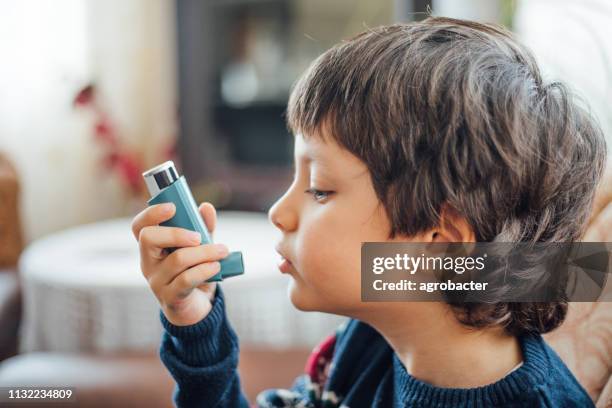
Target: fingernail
x=221, y=249
x=167, y=208
x=195, y=236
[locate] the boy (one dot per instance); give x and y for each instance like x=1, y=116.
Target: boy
x=437, y=131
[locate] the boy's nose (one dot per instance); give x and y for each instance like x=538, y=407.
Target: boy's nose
x=282, y=216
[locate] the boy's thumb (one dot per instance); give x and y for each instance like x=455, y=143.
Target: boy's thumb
x=209, y=215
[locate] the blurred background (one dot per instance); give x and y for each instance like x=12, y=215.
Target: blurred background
x=93, y=93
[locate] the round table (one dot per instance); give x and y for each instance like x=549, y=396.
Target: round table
x=83, y=291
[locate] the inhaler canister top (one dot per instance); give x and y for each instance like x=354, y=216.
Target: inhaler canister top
x=160, y=177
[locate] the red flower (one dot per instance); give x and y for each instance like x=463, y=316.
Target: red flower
x=85, y=96
x=105, y=133
x=125, y=163
x=130, y=170
x=110, y=160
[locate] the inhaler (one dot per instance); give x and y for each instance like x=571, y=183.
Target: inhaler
x=165, y=186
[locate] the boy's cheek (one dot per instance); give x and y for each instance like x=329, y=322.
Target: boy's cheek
x=329, y=258
x=329, y=277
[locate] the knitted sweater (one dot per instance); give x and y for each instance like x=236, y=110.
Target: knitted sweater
x=354, y=367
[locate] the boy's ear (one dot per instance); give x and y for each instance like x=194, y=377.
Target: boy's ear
x=453, y=227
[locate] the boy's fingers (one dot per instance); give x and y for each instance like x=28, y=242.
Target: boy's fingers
x=187, y=281
x=153, y=239
x=209, y=215
x=185, y=258
x=153, y=215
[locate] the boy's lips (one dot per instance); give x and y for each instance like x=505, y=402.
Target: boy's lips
x=285, y=265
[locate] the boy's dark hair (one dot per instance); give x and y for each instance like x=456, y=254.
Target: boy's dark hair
x=452, y=112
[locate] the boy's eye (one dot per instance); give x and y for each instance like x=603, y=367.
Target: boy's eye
x=319, y=195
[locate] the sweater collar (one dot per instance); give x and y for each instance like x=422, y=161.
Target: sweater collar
x=512, y=387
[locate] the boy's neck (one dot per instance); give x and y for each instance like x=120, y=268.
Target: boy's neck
x=435, y=348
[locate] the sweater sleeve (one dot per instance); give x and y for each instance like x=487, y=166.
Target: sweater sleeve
x=203, y=360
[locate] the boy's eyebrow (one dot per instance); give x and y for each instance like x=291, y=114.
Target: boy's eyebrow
x=327, y=170
x=306, y=159
x=314, y=156
x=307, y=154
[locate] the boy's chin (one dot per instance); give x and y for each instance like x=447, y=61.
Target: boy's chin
x=306, y=299
x=301, y=299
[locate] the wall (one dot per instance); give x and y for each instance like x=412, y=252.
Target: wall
x=49, y=51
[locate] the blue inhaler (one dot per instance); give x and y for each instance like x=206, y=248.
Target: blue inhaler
x=165, y=185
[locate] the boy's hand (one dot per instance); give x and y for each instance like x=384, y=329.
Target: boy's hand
x=178, y=279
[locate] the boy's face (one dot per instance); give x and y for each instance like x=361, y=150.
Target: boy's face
x=322, y=230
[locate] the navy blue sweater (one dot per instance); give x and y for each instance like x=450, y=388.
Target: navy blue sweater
x=363, y=371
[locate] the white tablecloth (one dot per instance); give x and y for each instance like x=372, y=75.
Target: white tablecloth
x=83, y=291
